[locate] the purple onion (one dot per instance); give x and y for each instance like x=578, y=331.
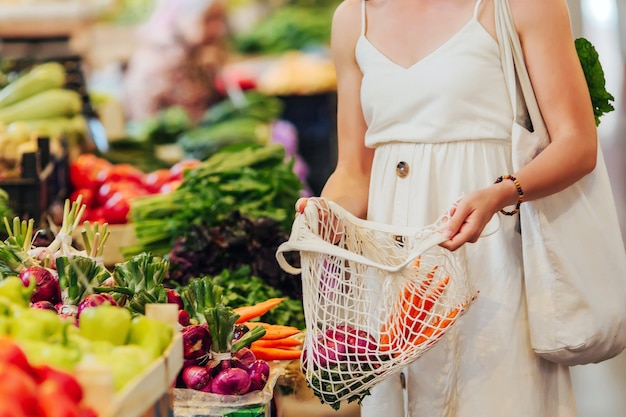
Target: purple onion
x=240, y=330
x=330, y=348
x=361, y=345
x=231, y=381
x=196, y=341
x=94, y=300
x=46, y=284
x=44, y=305
x=196, y=377
x=173, y=297
x=259, y=372
x=215, y=366
x=183, y=318
x=245, y=357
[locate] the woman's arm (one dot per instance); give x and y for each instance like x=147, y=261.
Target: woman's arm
x=563, y=97
x=349, y=183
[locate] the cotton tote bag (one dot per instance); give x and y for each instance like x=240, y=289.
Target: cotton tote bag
x=573, y=252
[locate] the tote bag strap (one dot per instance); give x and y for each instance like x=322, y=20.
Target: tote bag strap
x=520, y=88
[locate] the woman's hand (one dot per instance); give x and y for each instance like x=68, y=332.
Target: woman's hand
x=301, y=204
x=329, y=226
x=472, y=213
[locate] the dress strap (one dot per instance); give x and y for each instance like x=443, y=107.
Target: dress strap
x=363, y=18
x=476, y=7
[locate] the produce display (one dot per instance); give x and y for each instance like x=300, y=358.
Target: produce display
x=206, y=232
x=298, y=73
x=75, y=310
x=81, y=314
x=224, y=353
x=107, y=188
x=231, y=122
x=256, y=180
x=37, y=103
x=288, y=28
x=5, y=210
x=28, y=390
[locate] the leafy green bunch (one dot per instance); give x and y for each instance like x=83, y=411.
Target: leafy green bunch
x=594, y=74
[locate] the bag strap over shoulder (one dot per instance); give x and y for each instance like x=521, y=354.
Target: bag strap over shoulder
x=523, y=100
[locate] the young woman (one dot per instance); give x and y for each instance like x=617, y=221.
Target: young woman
x=424, y=118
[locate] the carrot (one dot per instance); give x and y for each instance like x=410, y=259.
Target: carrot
x=414, y=305
x=251, y=324
x=275, y=354
x=247, y=313
x=420, y=309
x=435, y=331
x=277, y=331
x=285, y=342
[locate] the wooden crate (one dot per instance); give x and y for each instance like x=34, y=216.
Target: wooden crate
x=148, y=395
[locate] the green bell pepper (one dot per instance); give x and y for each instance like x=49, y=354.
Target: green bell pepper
x=105, y=323
x=126, y=363
x=35, y=324
x=12, y=288
x=152, y=335
x=57, y=355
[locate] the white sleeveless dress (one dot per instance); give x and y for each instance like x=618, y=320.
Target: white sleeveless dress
x=441, y=128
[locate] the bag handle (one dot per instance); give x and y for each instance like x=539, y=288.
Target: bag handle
x=302, y=239
x=515, y=71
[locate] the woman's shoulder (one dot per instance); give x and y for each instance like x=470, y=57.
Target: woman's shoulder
x=347, y=19
x=349, y=12
x=530, y=13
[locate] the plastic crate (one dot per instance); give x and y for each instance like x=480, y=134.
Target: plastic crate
x=43, y=180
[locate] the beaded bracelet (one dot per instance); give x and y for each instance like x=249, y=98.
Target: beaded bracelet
x=519, y=192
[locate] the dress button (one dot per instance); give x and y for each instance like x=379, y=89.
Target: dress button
x=402, y=169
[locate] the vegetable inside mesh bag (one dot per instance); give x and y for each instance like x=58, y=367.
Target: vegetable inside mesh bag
x=375, y=300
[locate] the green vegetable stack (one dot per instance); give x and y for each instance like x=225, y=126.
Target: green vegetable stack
x=253, y=179
x=37, y=103
x=228, y=123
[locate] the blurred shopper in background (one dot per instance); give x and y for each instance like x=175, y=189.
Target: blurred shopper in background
x=180, y=49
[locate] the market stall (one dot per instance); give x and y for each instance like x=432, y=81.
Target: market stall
x=150, y=156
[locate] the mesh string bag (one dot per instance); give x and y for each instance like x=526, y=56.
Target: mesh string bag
x=376, y=297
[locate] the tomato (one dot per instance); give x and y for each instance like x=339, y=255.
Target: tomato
x=65, y=382
x=88, y=195
x=178, y=168
x=10, y=406
x=154, y=180
x=106, y=190
x=245, y=80
x=11, y=353
x=125, y=172
x=85, y=171
x=20, y=386
x=115, y=210
x=170, y=186
x=55, y=402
